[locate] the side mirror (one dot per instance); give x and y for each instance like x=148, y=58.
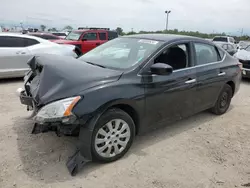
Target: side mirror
x=84, y=39
x=161, y=69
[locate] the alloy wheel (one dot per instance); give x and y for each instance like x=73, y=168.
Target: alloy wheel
x=112, y=138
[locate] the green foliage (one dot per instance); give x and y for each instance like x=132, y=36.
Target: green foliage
x=52, y=29
x=189, y=33
x=119, y=31
x=68, y=27
x=43, y=27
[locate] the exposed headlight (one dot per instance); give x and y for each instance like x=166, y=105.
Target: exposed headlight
x=59, y=110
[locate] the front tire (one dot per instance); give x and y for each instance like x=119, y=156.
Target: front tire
x=113, y=136
x=224, y=100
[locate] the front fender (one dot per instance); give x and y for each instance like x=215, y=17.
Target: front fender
x=99, y=99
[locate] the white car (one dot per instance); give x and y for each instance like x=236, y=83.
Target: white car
x=17, y=49
x=226, y=39
x=243, y=55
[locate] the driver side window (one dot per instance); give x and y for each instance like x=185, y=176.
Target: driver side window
x=176, y=56
x=90, y=36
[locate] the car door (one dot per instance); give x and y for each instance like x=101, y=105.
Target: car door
x=13, y=55
x=103, y=37
x=171, y=97
x=89, y=41
x=210, y=75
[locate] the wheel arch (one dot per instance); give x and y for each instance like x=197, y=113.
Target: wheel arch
x=232, y=85
x=126, y=105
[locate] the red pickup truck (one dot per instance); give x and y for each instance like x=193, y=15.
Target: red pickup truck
x=88, y=38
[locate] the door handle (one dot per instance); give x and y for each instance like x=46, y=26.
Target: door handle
x=20, y=52
x=97, y=44
x=222, y=74
x=190, y=81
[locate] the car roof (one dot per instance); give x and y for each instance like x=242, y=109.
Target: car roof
x=24, y=36
x=166, y=37
x=38, y=33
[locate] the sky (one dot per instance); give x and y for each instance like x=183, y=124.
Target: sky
x=228, y=16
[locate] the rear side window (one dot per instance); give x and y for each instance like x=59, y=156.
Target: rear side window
x=102, y=36
x=231, y=40
x=205, y=53
x=30, y=42
x=112, y=35
x=47, y=37
x=16, y=42
x=90, y=36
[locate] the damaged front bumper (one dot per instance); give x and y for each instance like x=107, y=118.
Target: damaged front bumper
x=69, y=125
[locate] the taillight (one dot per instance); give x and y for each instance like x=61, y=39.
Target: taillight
x=240, y=65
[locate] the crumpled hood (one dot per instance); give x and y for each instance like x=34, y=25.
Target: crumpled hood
x=59, y=77
x=243, y=55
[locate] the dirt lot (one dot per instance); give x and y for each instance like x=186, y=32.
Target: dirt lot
x=203, y=151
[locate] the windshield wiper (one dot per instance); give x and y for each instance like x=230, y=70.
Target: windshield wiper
x=95, y=64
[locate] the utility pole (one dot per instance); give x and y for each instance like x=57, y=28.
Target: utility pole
x=242, y=30
x=167, y=12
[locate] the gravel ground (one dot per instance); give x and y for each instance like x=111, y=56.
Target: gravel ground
x=203, y=151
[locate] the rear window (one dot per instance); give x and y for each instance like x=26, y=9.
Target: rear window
x=112, y=35
x=102, y=36
x=220, y=39
x=60, y=34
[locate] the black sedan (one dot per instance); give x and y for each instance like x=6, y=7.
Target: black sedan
x=125, y=87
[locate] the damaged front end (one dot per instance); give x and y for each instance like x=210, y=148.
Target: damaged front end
x=55, y=116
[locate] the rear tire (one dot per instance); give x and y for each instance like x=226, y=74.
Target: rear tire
x=224, y=100
x=113, y=136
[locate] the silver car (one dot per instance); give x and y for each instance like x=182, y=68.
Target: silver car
x=17, y=49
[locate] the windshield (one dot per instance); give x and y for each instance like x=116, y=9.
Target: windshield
x=121, y=53
x=73, y=35
x=220, y=39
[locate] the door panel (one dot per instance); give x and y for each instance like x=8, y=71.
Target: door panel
x=90, y=41
x=169, y=98
x=210, y=77
x=14, y=58
x=210, y=80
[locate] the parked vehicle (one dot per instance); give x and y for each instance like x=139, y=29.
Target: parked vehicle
x=243, y=56
x=125, y=87
x=87, y=39
x=17, y=49
x=228, y=47
x=46, y=36
x=227, y=39
x=243, y=44
x=62, y=35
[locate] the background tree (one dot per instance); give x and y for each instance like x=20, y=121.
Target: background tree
x=43, y=27
x=53, y=29
x=68, y=27
x=119, y=31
